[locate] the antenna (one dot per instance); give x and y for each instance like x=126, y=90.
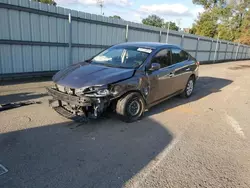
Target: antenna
x=100, y=3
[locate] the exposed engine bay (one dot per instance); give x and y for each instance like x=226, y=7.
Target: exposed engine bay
x=85, y=103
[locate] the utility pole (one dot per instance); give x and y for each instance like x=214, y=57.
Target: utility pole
x=167, y=32
x=100, y=3
x=179, y=23
x=216, y=47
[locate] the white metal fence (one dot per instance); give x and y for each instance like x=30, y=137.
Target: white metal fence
x=36, y=37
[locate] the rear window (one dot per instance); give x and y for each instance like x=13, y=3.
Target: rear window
x=179, y=55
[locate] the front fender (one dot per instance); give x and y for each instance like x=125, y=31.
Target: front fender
x=138, y=83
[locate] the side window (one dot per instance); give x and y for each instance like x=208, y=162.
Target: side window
x=163, y=57
x=179, y=55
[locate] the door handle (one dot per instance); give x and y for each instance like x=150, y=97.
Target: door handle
x=171, y=74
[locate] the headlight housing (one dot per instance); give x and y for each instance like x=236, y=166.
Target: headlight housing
x=94, y=91
x=103, y=92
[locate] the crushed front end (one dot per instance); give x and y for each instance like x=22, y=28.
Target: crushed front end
x=81, y=103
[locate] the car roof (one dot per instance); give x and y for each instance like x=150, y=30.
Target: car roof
x=152, y=45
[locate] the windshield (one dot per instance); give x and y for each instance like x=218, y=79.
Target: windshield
x=122, y=57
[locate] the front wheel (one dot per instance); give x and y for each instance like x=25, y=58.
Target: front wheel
x=189, y=88
x=131, y=107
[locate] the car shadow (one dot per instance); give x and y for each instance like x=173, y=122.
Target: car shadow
x=204, y=86
x=18, y=97
x=101, y=153
x=105, y=153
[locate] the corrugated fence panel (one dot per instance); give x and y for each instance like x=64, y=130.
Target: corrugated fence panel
x=174, y=39
x=5, y=32
x=221, y=51
x=204, y=45
x=46, y=58
x=202, y=56
x=44, y=24
x=53, y=58
x=17, y=58
x=25, y=26
x=36, y=28
x=27, y=59
x=6, y=59
x=15, y=26
x=134, y=35
x=39, y=36
x=37, y=58
x=163, y=38
x=190, y=44
x=229, y=51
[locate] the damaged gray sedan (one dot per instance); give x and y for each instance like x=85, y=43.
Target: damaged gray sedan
x=127, y=78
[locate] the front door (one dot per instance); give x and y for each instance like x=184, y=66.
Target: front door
x=161, y=80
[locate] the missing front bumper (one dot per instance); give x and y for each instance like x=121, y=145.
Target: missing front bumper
x=75, y=107
x=74, y=100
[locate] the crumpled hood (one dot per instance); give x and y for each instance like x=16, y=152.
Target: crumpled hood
x=85, y=75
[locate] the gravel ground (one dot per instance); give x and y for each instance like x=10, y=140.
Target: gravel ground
x=203, y=141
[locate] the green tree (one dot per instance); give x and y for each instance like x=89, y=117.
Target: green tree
x=208, y=4
x=153, y=20
x=193, y=29
x=115, y=16
x=206, y=25
x=244, y=37
x=50, y=2
x=172, y=26
x=226, y=18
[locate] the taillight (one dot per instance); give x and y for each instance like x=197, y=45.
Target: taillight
x=197, y=63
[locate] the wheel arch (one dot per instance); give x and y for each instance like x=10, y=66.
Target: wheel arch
x=193, y=76
x=132, y=91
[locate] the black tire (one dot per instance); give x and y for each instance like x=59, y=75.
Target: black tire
x=130, y=107
x=187, y=92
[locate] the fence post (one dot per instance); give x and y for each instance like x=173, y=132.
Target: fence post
x=182, y=39
x=197, y=46
x=70, y=40
x=232, y=53
x=218, y=51
x=160, y=36
x=167, y=32
x=237, y=51
x=245, y=53
x=216, y=48
x=126, y=33
x=210, y=51
x=226, y=51
x=242, y=52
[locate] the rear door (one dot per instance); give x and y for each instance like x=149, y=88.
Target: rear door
x=182, y=68
x=160, y=80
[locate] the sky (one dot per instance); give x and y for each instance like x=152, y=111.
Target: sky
x=183, y=12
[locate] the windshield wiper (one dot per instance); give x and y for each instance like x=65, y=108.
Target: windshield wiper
x=111, y=65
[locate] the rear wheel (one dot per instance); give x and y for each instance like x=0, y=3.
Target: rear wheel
x=189, y=88
x=131, y=107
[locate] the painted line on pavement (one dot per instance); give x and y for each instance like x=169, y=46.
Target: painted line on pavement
x=153, y=165
x=236, y=126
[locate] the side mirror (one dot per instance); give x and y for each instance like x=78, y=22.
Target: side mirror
x=155, y=66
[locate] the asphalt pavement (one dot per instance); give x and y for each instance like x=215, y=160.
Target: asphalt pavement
x=203, y=141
